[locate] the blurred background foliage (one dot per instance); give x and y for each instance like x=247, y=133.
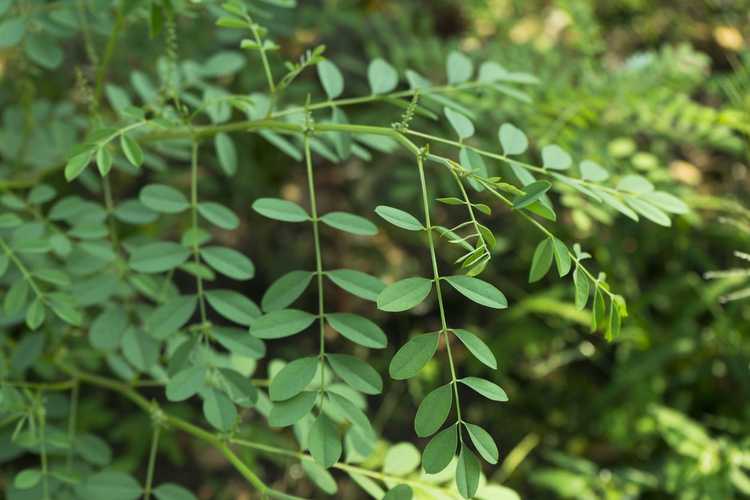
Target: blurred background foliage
x=655, y=87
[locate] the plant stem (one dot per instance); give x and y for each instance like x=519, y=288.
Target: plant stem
x=152, y=460
x=72, y=423
x=101, y=71
x=22, y=268
x=43, y=447
x=170, y=420
x=318, y=264
x=194, y=222
x=438, y=290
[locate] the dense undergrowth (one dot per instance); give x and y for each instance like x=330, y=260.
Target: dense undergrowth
x=351, y=250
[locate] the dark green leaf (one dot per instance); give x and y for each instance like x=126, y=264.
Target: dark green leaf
x=440, y=450
x=228, y=262
x=324, y=442
x=399, y=218
x=433, y=410
x=413, y=355
x=350, y=223
x=358, y=329
x=483, y=442
x=233, y=306
x=219, y=409
x=285, y=290
x=532, y=193
x=132, y=150
x=562, y=257
x=219, y=215
x=357, y=283
x=285, y=413
x=158, y=257
x=477, y=347
x=467, y=473
x=239, y=342
x=478, y=290
x=489, y=390
x=283, y=323
x=283, y=210
x=293, y=378
x=357, y=373
x=541, y=261
x=404, y=295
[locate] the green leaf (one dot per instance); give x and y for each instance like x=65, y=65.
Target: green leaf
x=399, y=218
x=104, y=160
x=219, y=215
x=111, y=485
x=433, y=410
x=404, y=295
x=598, y=309
x=132, y=150
x=323, y=441
x=163, y=198
x=279, y=324
x=483, y=442
x=278, y=209
x=239, y=342
x=291, y=411
x=462, y=125
x=171, y=491
x=440, y=450
x=478, y=290
x=357, y=283
x=233, y=306
x=158, y=257
x=358, y=329
x=541, y=261
x=401, y=459
x=219, y=409
x=170, y=316
x=582, y=288
x=349, y=223
x=226, y=152
x=477, y=347
x=16, y=297
x=459, y=68
x=351, y=412
x=285, y=290
x=562, y=257
x=293, y=378
x=666, y=202
x=11, y=32
x=635, y=184
x=400, y=492
x=649, y=211
x=35, y=314
x=77, y=164
x=413, y=355
x=592, y=171
x=27, y=478
x=108, y=328
x=43, y=50
x=330, y=78
x=186, y=383
x=238, y=387
x=512, y=139
x=321, y=477
x=382, y=76
x=355, y=372
x=615, y=322
x=228, y=262
x=141, y=350
x=616, y=204
x=532, y=192
x=489, y=390
x=467, y=473
x=556, y=158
